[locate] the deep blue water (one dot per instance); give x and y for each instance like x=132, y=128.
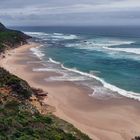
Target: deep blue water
x=110, y=53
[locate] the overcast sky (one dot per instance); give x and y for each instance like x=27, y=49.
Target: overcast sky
x=70, y=12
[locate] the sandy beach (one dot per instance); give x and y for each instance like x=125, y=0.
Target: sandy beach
x=111, y=119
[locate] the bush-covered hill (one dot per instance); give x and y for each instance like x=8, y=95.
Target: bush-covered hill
x=19, y=120
x=11, y=38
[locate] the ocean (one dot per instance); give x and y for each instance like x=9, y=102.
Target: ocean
x=105, y=59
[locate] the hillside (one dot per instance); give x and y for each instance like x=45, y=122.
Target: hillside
x=20, y=120
x=11, y=38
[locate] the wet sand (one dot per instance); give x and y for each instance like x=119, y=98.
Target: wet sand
x=112, y=119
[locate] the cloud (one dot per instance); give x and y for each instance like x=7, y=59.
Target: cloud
x=105, y=11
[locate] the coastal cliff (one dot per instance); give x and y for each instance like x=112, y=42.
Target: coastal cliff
x=21, y=116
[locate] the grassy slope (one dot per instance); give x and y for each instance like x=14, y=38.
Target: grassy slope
x=19, y=120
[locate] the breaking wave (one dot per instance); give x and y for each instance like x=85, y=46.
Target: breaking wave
x=37, y=52
x=53, y=61
x=114, y=88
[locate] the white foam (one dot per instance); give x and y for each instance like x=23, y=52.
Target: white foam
x=59, y=34
x=37, y=52
x=54, y=36
x=124, y=53
x=103, y=93
x=109, y=43
x=123, y=92
x=36, y=33
x=65, y=37
x=66, y=77
x=99, y=45
x=48, y=70
x=43, y=69
x=127, y=50
x=73, y=45
x=53, y=61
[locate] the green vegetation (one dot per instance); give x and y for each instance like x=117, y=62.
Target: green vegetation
x=19, y=120
x=17, y=124
x=17, y=86
x=11, y=38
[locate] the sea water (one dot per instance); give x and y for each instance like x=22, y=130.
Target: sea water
x=106, y=59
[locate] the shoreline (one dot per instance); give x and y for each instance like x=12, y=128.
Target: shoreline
x=93, y=116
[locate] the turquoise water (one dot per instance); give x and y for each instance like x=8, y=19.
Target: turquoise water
x=112, y=57
x=120, y=72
